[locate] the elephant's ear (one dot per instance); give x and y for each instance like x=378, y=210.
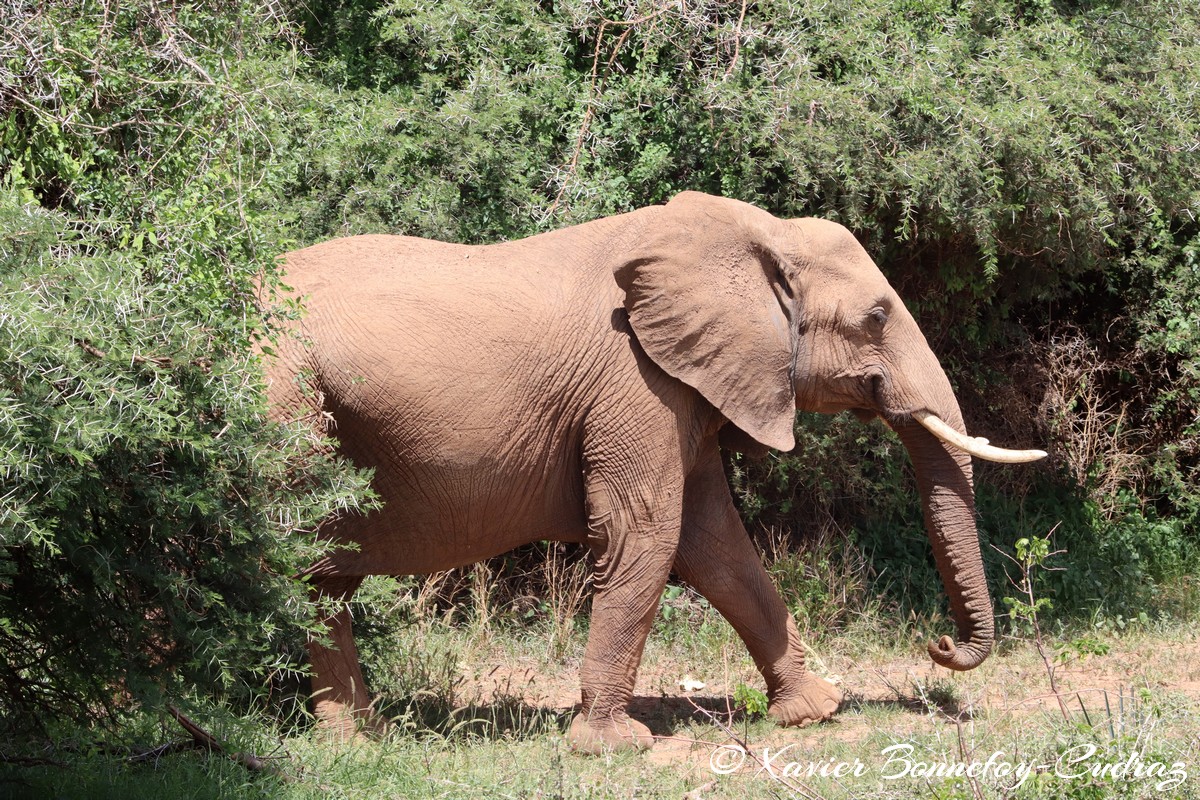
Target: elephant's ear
x=708, y=302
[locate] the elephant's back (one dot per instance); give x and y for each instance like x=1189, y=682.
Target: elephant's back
x=379, y=276
x=368, y=263
x=463, y=375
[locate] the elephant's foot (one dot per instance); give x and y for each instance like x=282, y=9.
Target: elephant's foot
x=815, y=700
x=595, y=734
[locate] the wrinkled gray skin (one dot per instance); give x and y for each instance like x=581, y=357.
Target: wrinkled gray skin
x=574, y=386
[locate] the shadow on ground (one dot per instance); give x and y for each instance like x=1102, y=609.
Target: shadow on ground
x=511, y=718
x=949, y=707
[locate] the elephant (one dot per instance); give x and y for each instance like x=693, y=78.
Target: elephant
x=577, y=386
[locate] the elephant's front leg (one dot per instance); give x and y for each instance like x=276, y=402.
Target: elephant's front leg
x=717, y=558
x=633, y=534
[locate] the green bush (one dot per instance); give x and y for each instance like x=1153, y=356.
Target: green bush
x=152, y=519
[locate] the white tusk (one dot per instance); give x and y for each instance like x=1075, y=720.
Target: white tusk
x=975, y=446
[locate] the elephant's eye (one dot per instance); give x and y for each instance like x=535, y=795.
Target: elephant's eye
x=878, y=316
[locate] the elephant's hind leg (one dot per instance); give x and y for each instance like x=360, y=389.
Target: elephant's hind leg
x=717, y=558
x=340, y=701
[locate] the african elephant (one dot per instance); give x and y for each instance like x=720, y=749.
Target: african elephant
x=574, y=386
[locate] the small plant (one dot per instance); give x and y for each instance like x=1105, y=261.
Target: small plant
x=752, y=701
x=937, y=694
x=1032, y=556
x=667, y=609
x=682, y=614
x=1079, y=649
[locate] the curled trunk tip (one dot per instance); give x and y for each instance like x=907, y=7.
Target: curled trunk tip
x=962, y=656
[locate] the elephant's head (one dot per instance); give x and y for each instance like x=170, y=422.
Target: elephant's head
x=763, y=316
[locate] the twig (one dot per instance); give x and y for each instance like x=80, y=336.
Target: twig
x=594, y=92
x=964, y=754
x=737, y=41
x=92, y=350
x=165, y=362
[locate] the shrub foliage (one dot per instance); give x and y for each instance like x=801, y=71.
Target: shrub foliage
x=152, y=519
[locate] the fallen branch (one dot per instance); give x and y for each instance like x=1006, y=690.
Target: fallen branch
x=206, y=740
x=798, y=788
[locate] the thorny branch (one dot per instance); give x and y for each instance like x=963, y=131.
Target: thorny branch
x=158, y=361
x=801, y=789
x=594, y=90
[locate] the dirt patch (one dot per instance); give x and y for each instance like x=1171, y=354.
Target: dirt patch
x=523, y=682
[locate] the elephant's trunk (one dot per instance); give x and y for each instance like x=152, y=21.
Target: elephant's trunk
x=944, y=480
